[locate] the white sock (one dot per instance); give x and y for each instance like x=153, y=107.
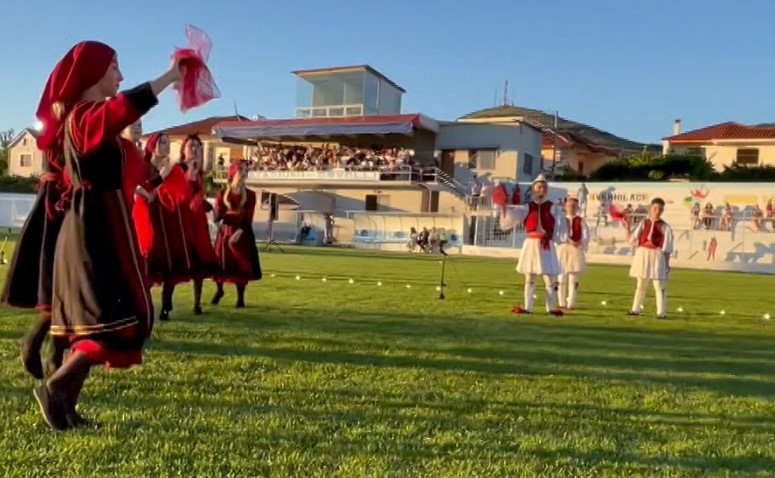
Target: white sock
x=549, y=297
x=660, y=287
x=562, y=292
x=640, y=295
x=573, y=288
x=530, y=287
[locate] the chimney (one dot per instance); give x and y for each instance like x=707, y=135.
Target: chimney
x=677, y=127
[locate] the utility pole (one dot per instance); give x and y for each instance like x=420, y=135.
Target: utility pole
x=554, y=146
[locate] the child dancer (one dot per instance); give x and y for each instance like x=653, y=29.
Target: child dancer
x=571, y=252
x=652, y=258
x=538, y=256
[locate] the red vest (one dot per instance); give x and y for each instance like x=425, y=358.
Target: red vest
x=540, y=213
x=657, y=238
x=575, y=229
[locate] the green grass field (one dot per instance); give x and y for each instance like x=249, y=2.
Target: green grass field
x=328, y=379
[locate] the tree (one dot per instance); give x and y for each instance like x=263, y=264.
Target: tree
x=5, y=141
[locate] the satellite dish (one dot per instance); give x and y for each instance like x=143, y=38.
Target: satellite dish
x=258, y=117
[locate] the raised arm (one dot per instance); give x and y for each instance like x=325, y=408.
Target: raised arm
x=95, y=121
x=512, y=216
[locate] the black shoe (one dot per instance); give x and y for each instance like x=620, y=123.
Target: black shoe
x=217, y=297
x=31, y=357
x=633, y=313
x=164, y=315
x=240, y=304
x=198, y=309
x=77, y=421
x=51, y=408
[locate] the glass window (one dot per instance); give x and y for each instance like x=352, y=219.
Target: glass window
x=748, y=156
x=389, y=99
x=371, y=94
x=303, y=93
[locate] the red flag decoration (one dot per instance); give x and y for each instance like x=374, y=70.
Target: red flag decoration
x=196, y=85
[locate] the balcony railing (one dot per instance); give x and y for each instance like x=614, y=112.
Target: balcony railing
x=329, y=111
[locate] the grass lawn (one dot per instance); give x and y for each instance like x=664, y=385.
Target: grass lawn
x=322, y=379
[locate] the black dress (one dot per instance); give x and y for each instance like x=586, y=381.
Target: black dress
x=101, y=299
x=29, y=281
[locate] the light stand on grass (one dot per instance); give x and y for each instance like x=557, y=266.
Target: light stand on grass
x=3, y=260
x=443, y=267
x=271, y=243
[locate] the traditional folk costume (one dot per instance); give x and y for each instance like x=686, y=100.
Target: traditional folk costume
x=154, y=196
x=99, y=302
x=204, y=260
x=538, y=256
x=235, y=244
x=28, y=284
x=171, y=260
x=572, y=243
x=655, y=242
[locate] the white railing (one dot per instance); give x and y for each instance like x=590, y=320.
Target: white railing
x=329, y=111
x=14, y=209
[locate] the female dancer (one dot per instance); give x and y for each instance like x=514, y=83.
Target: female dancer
x=205, y=262
x=170, y=260
x=99, y=299
x=235, y=244
x=164, y=243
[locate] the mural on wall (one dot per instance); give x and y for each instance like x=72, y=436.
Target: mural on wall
x=713, y=223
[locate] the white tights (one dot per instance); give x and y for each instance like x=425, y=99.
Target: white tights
x=530, y=287
x=569, y=287
x=660, y=287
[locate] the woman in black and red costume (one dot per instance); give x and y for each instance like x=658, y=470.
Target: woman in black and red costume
x=235, y=244
x=205, y=262
x=157, y=218
x=100, y=301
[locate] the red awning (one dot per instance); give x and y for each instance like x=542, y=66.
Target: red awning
x=325, y=127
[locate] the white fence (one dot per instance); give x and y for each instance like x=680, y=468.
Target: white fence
x=14, y=209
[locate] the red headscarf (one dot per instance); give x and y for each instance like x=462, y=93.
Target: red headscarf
x=80, y=69
x=150, y=145
x=233, y=170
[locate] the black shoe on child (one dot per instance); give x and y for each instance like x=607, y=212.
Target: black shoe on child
x=197, y=309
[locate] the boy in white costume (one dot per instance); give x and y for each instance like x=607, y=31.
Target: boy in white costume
x=571, y=252
x=538, y=256
x=654, y=238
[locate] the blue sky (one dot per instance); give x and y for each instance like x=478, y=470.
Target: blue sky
x=627, y=67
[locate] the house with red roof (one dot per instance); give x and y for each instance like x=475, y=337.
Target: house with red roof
x=725, y=144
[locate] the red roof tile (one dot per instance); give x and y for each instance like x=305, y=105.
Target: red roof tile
x=203, y=127
x=728, y=130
